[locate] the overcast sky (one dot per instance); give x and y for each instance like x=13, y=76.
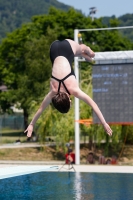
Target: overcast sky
x=104, y=7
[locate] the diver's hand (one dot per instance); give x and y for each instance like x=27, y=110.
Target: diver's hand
x=29, y=130
x=88, y=54
x=107, y=129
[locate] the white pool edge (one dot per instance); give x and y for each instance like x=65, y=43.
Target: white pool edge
x=12, y=171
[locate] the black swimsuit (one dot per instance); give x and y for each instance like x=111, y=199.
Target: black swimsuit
x=62, y=48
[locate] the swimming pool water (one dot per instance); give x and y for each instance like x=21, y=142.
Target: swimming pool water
x=68, y=186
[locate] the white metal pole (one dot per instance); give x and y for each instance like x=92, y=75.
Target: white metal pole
x=77, y=136
x=108, y=28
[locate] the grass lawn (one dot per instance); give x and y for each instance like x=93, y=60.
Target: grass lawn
x=10, y=136
x=48, y=153
x=28, y=154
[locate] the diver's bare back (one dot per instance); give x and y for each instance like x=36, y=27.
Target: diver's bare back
x=61, y=68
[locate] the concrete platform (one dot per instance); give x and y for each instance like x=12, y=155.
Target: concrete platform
x=7, y=171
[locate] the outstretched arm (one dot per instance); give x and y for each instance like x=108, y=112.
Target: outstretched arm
x=81, y=95
x=44, y=104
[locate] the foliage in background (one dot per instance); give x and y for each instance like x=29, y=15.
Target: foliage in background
x=124, y=20
x=14, y=13
x=25, y=67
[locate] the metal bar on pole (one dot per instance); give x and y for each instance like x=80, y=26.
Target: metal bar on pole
x=77, y=133
x=109, y=28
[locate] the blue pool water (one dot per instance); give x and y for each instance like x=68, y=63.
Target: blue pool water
x=68, y=186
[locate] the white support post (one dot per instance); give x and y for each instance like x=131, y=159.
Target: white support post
x=77, y=133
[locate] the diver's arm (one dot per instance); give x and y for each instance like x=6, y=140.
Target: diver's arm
x=42, y=107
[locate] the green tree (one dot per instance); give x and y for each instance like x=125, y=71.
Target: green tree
x=25, y=67
x=14, y=13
